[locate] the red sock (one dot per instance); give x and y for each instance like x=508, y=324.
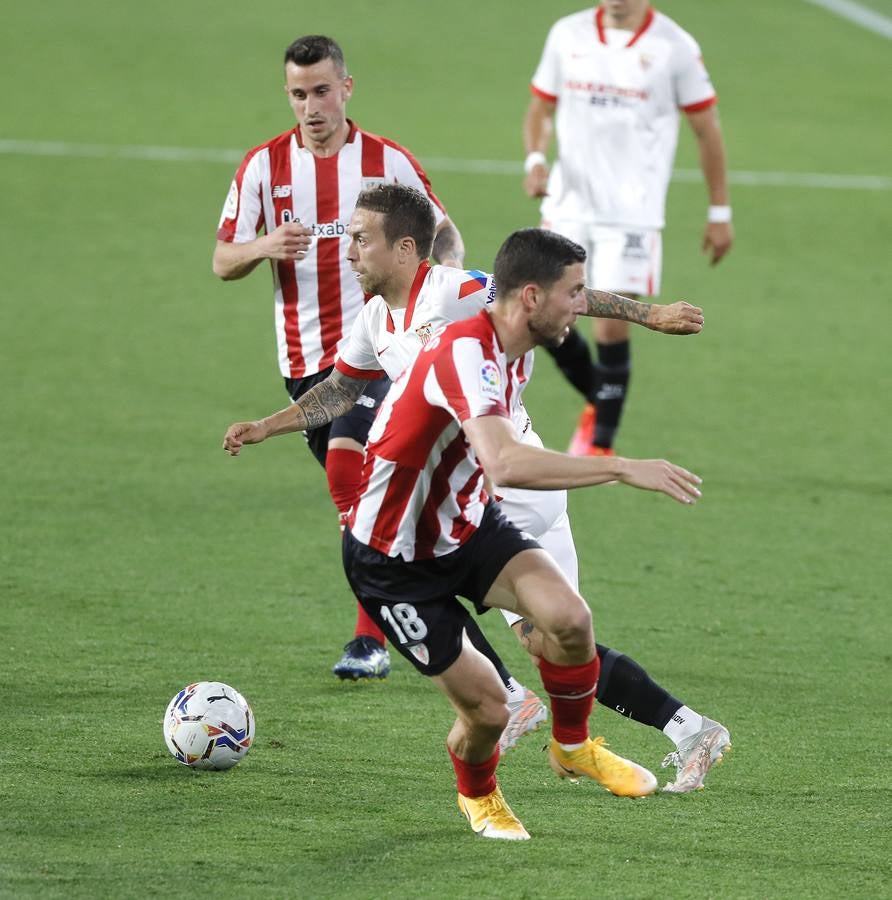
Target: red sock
x=572, y=692
x=344, y=471
x=475, y=779
x=367, y=626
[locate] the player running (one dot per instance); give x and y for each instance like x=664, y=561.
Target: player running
x=390, y=234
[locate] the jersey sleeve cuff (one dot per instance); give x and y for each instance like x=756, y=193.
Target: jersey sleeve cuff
x=367, y=374
x=544, y=95
x=701, y=104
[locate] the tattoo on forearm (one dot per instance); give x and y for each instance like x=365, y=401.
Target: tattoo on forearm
x=327, y=400
x=448, y=244
x=526, y=630
x=605, y=305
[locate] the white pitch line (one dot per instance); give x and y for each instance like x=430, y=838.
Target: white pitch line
x=860, y=15
x=432, y=164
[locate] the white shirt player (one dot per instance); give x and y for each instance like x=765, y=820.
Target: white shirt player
x=316, y=298
x=618, y=95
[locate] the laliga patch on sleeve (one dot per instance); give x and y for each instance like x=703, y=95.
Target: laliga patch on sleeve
x=230, y=208
x=490, y=379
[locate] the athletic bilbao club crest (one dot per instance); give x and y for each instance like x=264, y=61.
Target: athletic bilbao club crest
x=420, y=652
x=424, y=332
x=490, y=379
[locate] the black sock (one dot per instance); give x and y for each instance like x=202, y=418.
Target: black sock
x=613, y=368
x=574, y=359
x=476, y=637
x=626, y=688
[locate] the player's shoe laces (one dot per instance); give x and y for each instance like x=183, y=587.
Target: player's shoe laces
x=593, y=760
x=527, y=713
x=364, y=657
x=491, y=817
x=585, y=431
x=696, y=755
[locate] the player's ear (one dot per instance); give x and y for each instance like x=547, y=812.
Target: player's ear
x=348, y=87
x=407, y=247
x=529, y=296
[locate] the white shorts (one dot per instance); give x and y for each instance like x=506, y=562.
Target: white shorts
x=623, y=260
x=543, y=515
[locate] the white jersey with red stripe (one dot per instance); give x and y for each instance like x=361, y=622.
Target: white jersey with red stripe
x=316, y=298
x=422, y=493
x=618, y=96
x=385, y=341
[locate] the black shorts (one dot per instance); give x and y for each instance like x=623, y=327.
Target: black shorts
x=415, y=603
x=354, y=424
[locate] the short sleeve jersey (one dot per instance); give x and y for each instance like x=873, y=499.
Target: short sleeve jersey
x=422, y=493
x=385, y=341
x=316, y=298
x=618, y=95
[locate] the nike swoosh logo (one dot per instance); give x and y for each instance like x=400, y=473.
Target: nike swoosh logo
x=379, y=352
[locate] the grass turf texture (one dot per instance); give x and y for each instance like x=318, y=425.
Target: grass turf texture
x=135, y=557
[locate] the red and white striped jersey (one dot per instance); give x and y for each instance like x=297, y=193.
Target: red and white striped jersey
x=422, y=492
x=316, y=298
x=385, y=341
x=618, y=96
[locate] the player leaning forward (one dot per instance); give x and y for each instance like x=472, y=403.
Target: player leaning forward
x=424, y=528
x=402, y=618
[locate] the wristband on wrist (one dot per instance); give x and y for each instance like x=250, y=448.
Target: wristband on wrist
x=536, y=158
x=719, y=214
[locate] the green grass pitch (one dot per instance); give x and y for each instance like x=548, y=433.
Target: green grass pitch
x=136, y=557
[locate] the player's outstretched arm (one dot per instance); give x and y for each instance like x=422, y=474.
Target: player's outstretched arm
x=325, y=401
x=673, y=318
x=449, y=248
x=290, y=240
x=509, y=463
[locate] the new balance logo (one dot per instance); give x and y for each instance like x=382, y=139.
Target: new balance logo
x=363, y=400
x=281, y=191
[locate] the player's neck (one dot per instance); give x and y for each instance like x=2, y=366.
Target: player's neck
x=631, y=22
x=396, y=294
x=510, y=324
x=331, y=145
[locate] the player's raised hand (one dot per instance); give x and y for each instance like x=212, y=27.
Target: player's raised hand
x=240, y=433
x=663, y=476
x=535, y=182
x=677, y=318
x=717, y=240
x=291, y=240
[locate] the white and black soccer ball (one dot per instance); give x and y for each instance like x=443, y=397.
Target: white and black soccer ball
x=209, y=725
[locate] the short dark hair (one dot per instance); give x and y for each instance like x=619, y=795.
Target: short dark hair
x=533, y=255
x=313, y=48
x=406, y=211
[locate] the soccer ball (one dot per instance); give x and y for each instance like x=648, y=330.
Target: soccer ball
x=209, y=725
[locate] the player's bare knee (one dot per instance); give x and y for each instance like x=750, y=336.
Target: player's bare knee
x=572, y=626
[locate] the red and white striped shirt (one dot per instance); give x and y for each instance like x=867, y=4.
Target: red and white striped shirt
x=422, y=492
x=316, y=298
x=385, y=341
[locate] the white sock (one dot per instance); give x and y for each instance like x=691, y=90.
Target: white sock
x=514, y=690
x=683, y=724
x=571, y=747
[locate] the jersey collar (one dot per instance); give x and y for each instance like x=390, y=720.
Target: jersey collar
x=423, y=268
x=351, y=134
x=599, y=23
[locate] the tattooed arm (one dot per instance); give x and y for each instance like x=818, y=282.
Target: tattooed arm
x=326, y=401
x=449, y=249
x=676, y=318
